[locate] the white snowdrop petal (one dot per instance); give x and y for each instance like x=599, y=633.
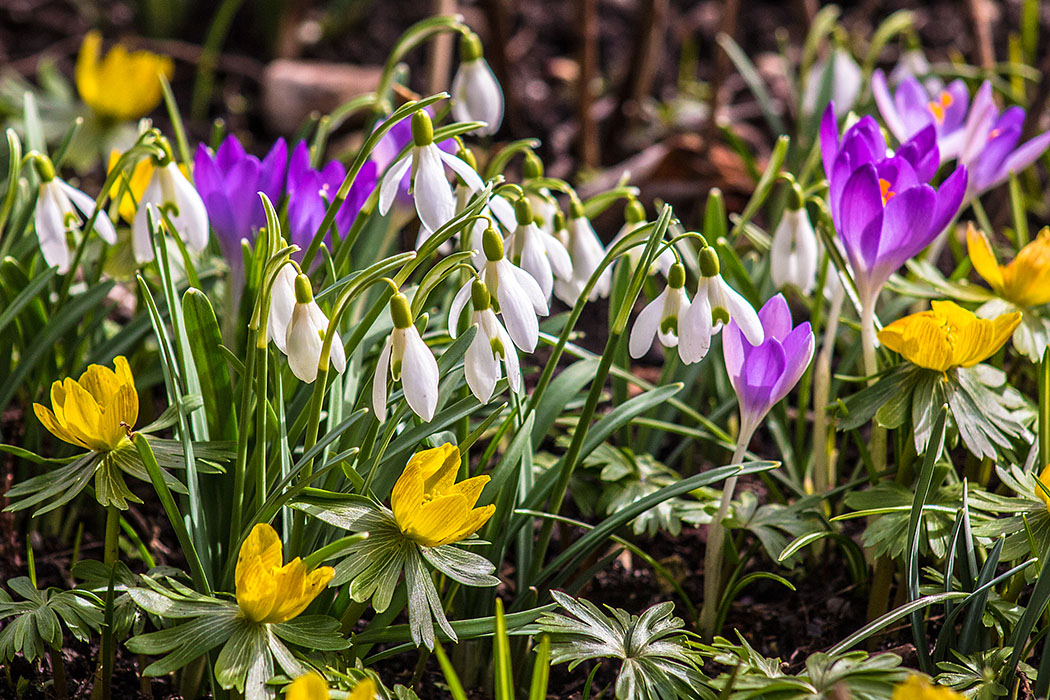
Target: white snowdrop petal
x=456, y=310
x=435, y=202
x=51, y=229
x=379, y=382
x=140, y=236
x=742, y=312
x=282, y=301
x=192, y=219
x=529, y=287
x=477, y=96
x=694, y=329
x=646, y=326
x=561, y=261
x=304, y=344
x=337, y=355
x=481, y=368
x=419, y=375
x=504, y=212
x=391, y=181
x=519, y=315
x=462, y=168
x=534, y=261
x=103, y=226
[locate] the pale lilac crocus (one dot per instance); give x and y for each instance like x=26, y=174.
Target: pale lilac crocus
x=884, y=208
x=990, y=141
x=763, y=374
x=911, y=108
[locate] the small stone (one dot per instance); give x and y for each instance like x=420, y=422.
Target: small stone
x=293, y=89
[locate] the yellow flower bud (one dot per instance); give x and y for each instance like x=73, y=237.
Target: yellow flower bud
x=124, y=85
x=428, y=504
x=948, y=336
x=89, y=412
x=268, y=591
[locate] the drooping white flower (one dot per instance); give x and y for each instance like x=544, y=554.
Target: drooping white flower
x=305, y=333
x=431, y=191
x=490, y=346
x=59, y=207
x=660, y=316
x=544, y=208
x=282, y=302
x=406, y=358
x=587, y=252
x=538, y=253
x=514, y=293
x=714, y=304
x=846, y=82
x=794, y=255
x=169, y=190
x=476, y=94
x=634, y=219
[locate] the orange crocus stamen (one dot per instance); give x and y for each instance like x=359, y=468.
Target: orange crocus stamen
x=938, y=107
x=887, y=193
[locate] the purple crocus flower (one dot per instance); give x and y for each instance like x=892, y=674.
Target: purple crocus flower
x=990, y=143
x=883, y=206
x=229, y=183
x=310, y=192
x=911, y=108
x=763, y=374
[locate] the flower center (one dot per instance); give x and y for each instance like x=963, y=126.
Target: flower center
x=887, y=193
x=993, y=133
x=938, y=107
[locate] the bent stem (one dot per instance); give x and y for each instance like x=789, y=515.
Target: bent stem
x=715, y=544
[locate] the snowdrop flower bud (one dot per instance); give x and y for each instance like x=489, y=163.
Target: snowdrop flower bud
x=660, y=317
x=305, y=335
x=169, y=189
x=846, y=83
x=476, y=94
x=634, y=219
x=587, y=253
x=56, y=212
x=514, y=293
x=406, y=358
x=540, y=254
x=715, y=304
x=794, y=253
x=491, y=344
x=435, y=202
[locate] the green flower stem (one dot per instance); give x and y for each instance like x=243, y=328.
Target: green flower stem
x=110, y=555
x=871, y=367
x=261, y=405
x=312, y=428
x=715, y=543
x=58, y=673
x=112, y=551
x=240, y=466
x=1044, y=411
x=823, y=464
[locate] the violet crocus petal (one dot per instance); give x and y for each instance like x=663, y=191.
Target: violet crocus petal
x=861, y=202
x=978, y=123
x=361, y=190
x=273, y=170
x=955, y=113
x=921, y=151
x=886, y=105
x=776, y=317
x=898, y=171
x=798, y=350
x=829, y=139
x=761, y=372
x=298, y=166
x=735, y=351
x=230, y=153
x=1027, y=153
x=242, y=185
x=905, y=231
x=949, y=198
x=913, y=105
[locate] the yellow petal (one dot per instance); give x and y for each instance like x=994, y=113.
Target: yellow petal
x=983, y=258
x=436, y=523
x=364, y=690
x=47, y=418
x=124, y=85
x=259, y=557
x=86, y=72
x=918, y=688
x=470, y=489
x=297, y=589
x=134, y=186
x=473, y=522
x=993, y=335
x=407, y=493
x=83, y=417
x=1027, y=277
x=892, y=336
x=309, y=686
x=101, y=382
x=434, y=464
x=1044, y=479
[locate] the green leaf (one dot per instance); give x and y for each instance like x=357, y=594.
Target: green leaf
x=202, y=330
x=186, y=642
x=319, y=632
x=240, y=653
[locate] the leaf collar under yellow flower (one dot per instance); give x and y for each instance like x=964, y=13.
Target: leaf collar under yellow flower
x=428, y=504
x=268, y=591
x=1025, y=280
x=88, y=412
x=918, y=688
x=948, y=336
x=123, y=85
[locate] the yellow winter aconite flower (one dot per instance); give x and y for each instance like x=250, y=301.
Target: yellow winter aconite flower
x=948, y=336
x=89, y=412
x=136, y=185
x=1025, y=281
x=918, y=688
x=124, y=84
x=268, y=591
x=309, y=686
x=428, y=504
x=1044, y=479
x=365, y=690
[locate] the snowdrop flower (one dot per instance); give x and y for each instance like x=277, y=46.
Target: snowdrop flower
x=634, y=219
x=57, y=206
x=660, y=317
x=514, y=293
x=282, y=302
x=491, y=344
x=794, y=253
x=540, y=254
x=406, y=358
x=846, y=83
x=715, y=304
x=435, y=202
x=544, y=208
x=476, y=94
x=587, y=252
x=305, y=335
x=169, y=189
